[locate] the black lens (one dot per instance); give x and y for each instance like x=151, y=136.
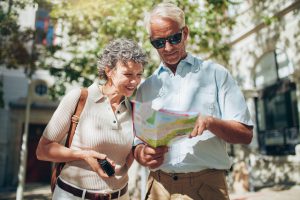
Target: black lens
x=172, y=39
x=158, y=43
x=175, y=39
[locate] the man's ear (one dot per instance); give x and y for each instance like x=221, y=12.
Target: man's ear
x=186, y=32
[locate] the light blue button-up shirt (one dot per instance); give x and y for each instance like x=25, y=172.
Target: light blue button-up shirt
x=199, y=86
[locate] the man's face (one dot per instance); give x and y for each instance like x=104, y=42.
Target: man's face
x=170, y=54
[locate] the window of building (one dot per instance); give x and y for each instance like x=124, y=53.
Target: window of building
x=276, y=106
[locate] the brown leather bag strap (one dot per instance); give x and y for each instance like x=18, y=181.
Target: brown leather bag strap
x=74, y=121
x=76, y=116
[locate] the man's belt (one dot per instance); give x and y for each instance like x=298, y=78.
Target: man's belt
x=179, y=176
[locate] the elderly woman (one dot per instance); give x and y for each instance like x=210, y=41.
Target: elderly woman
x=104, y=129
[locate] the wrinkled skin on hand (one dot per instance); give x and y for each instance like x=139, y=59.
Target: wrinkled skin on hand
x=90, y=157
x=149, y=156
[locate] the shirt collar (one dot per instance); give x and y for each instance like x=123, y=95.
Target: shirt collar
x=187, y=61
x=96, y=95
x=95, y=92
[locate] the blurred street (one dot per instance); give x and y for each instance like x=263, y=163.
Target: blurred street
x=48, y=48
x=31, y=192
x=42, y=192
x=274, y=193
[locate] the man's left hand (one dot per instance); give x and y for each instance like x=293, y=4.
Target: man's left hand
x=201, y=125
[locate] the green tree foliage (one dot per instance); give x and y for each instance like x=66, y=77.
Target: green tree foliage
x=13, y=40
x=88, y=25
x=17, y=44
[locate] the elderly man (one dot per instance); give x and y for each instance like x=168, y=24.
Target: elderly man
x=190, y=168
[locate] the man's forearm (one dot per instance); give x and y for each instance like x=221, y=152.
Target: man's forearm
x=230, y=131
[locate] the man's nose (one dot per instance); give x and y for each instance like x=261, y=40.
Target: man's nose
x=168, y=46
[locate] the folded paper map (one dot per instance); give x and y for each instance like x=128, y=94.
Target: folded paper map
x=159, y=127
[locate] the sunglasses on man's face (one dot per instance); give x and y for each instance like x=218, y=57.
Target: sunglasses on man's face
x=172, y=39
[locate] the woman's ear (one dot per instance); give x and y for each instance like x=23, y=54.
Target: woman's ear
x=108, y=72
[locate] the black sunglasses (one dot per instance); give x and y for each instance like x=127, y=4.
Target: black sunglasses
x=172, y=39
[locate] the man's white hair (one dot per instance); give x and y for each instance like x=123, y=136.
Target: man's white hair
x=165, y=10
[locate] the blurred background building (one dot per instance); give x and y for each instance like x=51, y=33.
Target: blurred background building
x=15, y=91
x=264, y=59
x=266, y=63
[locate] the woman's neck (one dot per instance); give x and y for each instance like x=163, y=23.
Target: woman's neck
x=114, y=98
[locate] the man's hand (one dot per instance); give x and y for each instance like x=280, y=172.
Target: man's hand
x=201, y=125
x=149, y=156
x=230, y=131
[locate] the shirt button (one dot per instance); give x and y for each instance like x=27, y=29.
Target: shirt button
x=118, y=112
x=175, y=178
x=114, y=121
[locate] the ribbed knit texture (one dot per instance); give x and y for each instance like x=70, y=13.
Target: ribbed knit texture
x=99, y=129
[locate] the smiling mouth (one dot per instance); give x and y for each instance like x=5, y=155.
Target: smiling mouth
x=171, y=54
x=131, y=88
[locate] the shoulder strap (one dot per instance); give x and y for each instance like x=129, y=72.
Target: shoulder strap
x=75, y=119
x=76, y=116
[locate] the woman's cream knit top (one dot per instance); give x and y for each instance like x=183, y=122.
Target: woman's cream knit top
x=99, y=129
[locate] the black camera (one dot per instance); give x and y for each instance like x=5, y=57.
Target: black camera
x=106, y=166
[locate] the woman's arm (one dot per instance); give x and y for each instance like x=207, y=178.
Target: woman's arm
x=52, y=151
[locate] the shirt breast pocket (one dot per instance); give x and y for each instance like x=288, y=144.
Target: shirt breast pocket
x=205, y=103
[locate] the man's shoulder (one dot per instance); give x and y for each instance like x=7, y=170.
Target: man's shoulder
x=214, y=66
x=206, y=64
x=148, y=88
x=148, y=81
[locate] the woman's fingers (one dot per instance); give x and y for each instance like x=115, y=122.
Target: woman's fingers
x=93, y=158
x=111, y=162
x=101, y=173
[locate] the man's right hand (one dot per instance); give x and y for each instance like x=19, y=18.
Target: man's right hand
x=149, y=156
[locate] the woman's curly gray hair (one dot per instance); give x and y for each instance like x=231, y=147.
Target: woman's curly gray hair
x=123, y=50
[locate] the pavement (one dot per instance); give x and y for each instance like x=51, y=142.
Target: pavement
x=42, y=192
x=271, y=193
x=31, y=192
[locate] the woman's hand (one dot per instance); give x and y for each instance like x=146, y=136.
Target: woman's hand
x=52, y=151
x=90, y=157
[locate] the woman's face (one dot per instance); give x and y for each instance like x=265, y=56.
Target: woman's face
x=125, y=77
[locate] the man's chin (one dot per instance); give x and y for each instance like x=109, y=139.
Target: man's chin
x=171, y=63
x=172, y=60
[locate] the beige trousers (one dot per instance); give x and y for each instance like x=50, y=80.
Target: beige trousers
x=208, y=184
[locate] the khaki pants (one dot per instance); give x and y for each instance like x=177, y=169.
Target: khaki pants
x=208, y=184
